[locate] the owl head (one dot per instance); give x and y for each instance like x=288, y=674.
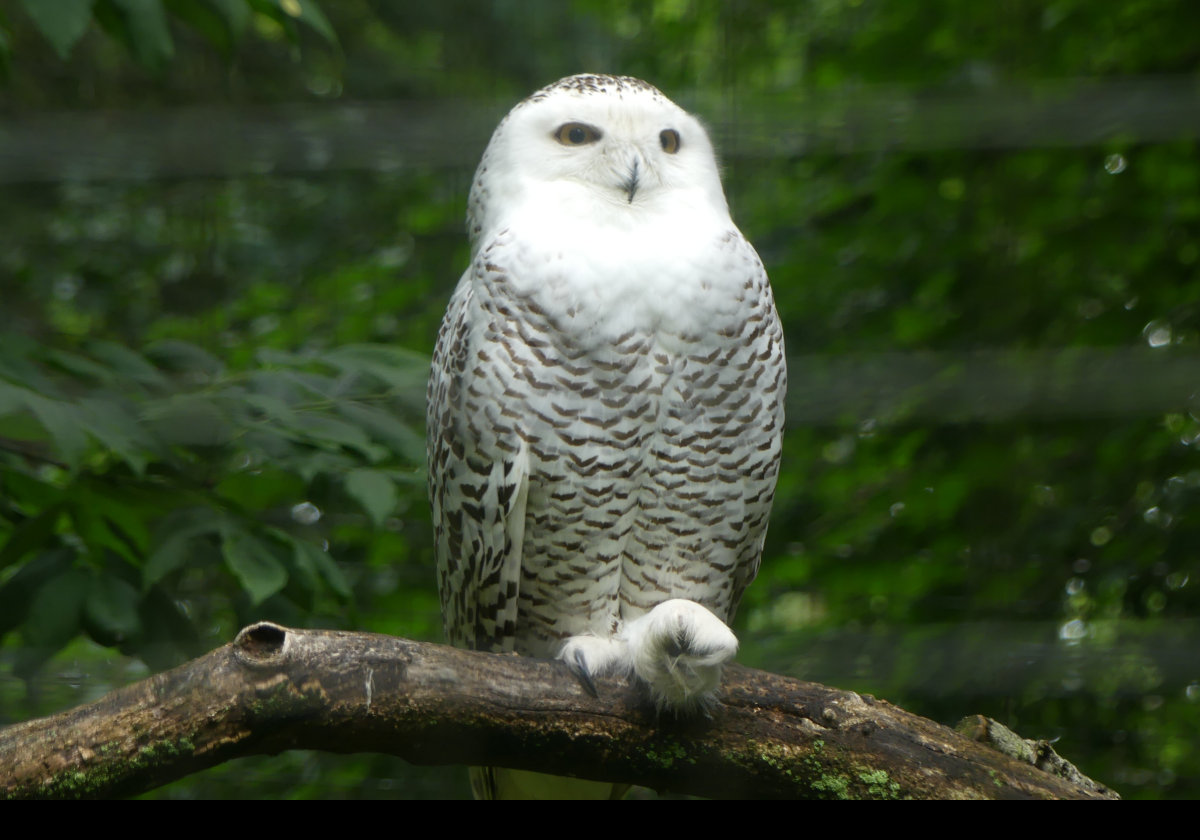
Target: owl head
x=594, y=150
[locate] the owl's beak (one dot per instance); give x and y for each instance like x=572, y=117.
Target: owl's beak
x=631, y=184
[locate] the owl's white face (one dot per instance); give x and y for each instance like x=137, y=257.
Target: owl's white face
x=600, y=150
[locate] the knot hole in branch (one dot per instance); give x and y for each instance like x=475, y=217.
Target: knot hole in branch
x=260, y=642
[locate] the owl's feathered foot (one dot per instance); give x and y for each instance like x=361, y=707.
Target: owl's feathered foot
x=677, y=649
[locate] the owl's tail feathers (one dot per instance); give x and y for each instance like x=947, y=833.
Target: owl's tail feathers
x=677, y=649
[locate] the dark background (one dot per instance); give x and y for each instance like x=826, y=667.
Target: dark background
x=229, y=229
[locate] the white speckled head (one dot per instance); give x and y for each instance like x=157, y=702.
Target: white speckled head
x=597, y=150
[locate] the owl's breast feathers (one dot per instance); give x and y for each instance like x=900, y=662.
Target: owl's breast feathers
x=605, y=430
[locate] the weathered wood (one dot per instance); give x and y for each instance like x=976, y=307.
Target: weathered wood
x=275, y=689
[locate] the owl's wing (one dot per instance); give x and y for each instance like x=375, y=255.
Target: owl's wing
x=478, y=484
x=761, y=438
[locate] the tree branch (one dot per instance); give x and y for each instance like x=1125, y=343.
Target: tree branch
x=275, y=689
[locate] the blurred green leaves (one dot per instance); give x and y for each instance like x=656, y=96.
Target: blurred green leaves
x=126, y=472
x=63, y=22
x=143, y=27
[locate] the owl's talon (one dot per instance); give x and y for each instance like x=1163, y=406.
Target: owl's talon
x=579, y=668
x=591, y=656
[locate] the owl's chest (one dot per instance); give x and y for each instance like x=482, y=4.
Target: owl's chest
x=594, y=288
x=605, y=343
x=593, y=393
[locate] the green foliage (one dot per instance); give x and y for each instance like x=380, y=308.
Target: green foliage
x=126, y=473
x=980, y=222
x=143, y=27
x=62, y=23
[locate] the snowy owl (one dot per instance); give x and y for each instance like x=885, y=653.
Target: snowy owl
x=606, y=402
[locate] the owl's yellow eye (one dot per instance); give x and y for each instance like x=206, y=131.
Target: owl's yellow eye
x=576, y=134
x=670, y=140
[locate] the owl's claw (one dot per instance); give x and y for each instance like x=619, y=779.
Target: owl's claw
x=677, y=649
x=591, y=656
x=578, y=666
